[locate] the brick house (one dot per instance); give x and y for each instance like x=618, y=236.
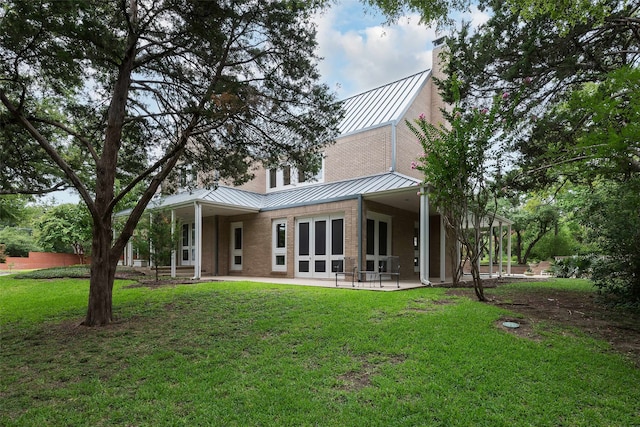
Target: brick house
x=363, y=206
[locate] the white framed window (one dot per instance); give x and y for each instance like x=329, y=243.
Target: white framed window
x=279, y=245
x=236, y=239
x=288, y=176
x=188, y=248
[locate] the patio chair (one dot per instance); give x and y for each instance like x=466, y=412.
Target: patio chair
x=345, y=267
x=389, y=266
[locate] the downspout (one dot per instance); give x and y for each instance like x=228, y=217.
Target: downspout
x=394, y=146
x=359, y=245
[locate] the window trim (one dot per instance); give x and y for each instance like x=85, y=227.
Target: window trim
x=233, y=251
x=277, y=178
x=278, y=251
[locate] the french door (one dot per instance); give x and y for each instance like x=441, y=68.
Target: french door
x=319, y=246
x=378, y=242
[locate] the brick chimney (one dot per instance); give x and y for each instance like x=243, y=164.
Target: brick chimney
x=437, y=71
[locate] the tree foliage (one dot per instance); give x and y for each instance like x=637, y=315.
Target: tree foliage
x=157, y=238
x=434, y=11
x=613, y=219
x=557, y=70
x=65, y=228
x=18, y=242
x=13, y=210
x=577, y=117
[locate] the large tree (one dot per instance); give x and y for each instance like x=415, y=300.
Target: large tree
x=89, y=90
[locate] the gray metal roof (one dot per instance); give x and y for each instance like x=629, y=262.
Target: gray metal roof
x=341, y=190
x=385, y=104
x=300, y=196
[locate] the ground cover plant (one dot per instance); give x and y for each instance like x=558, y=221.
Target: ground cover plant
x=257, y=354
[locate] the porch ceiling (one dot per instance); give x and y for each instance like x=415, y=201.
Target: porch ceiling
x=405, y=199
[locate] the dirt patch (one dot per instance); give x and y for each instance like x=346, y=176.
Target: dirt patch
x=524, y=327
x=571, y=310
x=370, y=365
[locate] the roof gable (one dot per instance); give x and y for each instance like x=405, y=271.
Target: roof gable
x=382, y=105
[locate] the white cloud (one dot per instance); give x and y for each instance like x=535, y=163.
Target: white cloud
x=478, y=17
x=362, y=58
x=361, y=53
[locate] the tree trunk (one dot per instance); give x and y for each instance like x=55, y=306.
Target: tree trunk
x=103, y=269
x=519, y=247
x=478, y=287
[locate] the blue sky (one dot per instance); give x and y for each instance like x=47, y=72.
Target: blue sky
x=360, y=52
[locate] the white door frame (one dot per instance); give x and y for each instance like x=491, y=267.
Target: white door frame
x=318, y=253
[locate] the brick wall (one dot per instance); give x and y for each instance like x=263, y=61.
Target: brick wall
x=257, y=240
x=408, y=146
x=361, y=154
x=37, y=260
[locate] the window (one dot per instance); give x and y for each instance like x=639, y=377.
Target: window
x=286, y=175
x=272, y=178
x=188, y=244
x=416, y=247
x=289, y=176
x=279, y=246
x=187, y=176
x=236, y=246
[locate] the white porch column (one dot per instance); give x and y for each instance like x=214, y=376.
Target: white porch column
x=491, y=251
x=173, y=251
x=509, y=251
x=424, y=237
x=500, y=251
x=128, y=259
x=443, y=249
x=152, y=250
x=197, y=268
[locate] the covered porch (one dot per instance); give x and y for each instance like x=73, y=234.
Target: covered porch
x=227, y=232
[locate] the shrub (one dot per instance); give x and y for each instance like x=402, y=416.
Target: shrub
x=618, y=277
x=572, y=267
x=18, y=242
x=613, y=220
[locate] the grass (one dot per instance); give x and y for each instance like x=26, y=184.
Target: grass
x=244, y=354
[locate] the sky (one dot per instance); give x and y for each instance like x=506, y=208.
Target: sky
x=360, y=52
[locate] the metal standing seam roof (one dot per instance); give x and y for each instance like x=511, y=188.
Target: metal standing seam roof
x=222, y=196
x=300, y=196
x=382, y=105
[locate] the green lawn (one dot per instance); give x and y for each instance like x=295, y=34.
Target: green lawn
x=245, y=354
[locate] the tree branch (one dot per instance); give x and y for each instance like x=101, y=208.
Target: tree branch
x=59, y=186
x=51, y=151
x=71, y=132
